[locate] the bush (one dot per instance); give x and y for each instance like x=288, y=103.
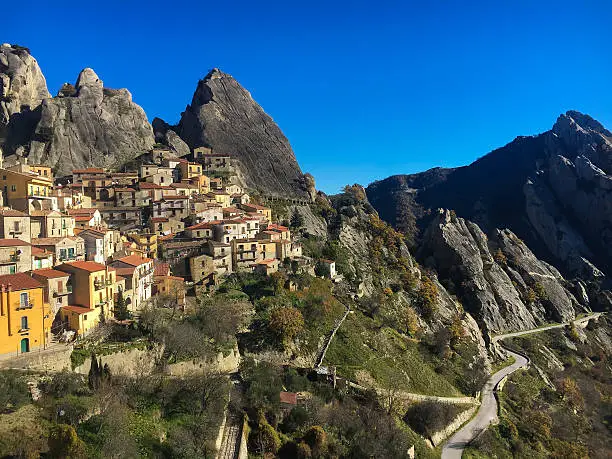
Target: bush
x=63, y=384
x=428, y=297
x=14, y=393
x=64, y=443
x=286, y=323
x=427, y=418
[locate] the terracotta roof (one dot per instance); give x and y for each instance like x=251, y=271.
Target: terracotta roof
x=83, y=218
x=77, y=309
x=50, y=240
x=162, y=269
x=147, y=185
x=159, y=219
x=19, y=281
x=329, y=262
x=256, y=206
x=268, y=261
x=203, y=225
x=37, y=252
x=82, y=211
x=12, y=243
x=275, y=227
x=50, y=273
x=167, y=237
x=125, y=272
x=124, y=190
x=134, y=260
x=8, y=212
x=88, y=170
x=289, y=398
x=174, y=198
x=89, y=266
x=100, y=231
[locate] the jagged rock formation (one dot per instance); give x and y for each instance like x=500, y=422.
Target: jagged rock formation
x=22, y=85
x=553, y=190
x=85, y=125
x=512, y=290
x=224, y=116
x=165, y=135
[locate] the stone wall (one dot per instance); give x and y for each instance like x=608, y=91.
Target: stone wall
x=53, y=359
x=221, y=364
x=462, y=418
x=132, y=362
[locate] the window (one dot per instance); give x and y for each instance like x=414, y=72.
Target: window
x=71, y=252
x=4, y=177
x=13, y=188
x=62, y=254
x=12, y=269
x=23, y=300
x=85, y=317
x=24, y=323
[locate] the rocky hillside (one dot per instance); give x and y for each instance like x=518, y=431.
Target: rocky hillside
x=224, y=116
x=553, y=190
x=85, y=125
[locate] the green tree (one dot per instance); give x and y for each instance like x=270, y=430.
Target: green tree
x=64, y=443
x=121, y=309
x=286, y=323
x=428, y=297
x=297, y=220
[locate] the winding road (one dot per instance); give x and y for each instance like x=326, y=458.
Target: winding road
x=453, y=448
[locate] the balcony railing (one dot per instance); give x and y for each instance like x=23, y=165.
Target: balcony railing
x=68, y=291
x=98, y=285
x=22, y=306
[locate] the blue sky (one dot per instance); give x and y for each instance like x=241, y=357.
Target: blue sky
x=362, y=90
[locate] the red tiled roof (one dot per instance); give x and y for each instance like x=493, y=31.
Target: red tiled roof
x=147, y=185
x=88, y=170
x=77, y=309
x=83, y=218
x=82, y=211
x=289, y=398
x=275, y=227
x=50, y=273
x=38, y=252
x=162, y=269
x=12, y=243
x=134, y=260
x=159, y=219
x=203, y=225
x=124, y=190
x=19, y=281
x=267, y=261
x=8, y=212
x=167, y=237
x=125, y=272
x=89, y=266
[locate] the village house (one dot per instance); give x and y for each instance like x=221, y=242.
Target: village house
x=27, y=190
x=56, y=287
x=189, y=170
x=184, y=189
x=222, y=256
x=130, y=197
x=205, y=211
x=327, y=268
x=265, y=211
x=288, y=249
x=222, y=198
x=266, y=267
x=144, y=242
x=51, y=223
x=202, y=230
x=25, y=321
x=41, y=258
x=94, y=286
x=216, y=183
x=154, y=191
x=85, y=217
x=284, y=232
x=70, y=198
x=66, y=248
x=245, y=253
x=164, y=225
x=15, y=256
x=202, y=269
x=172, y=207
x=240, y=198
x=228, y=230
x=14, y=224
x=138, y=274
x=100, y=243
x=122, y=218
x=267, y=249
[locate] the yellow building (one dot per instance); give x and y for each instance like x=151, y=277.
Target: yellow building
x=189, y=170
x=94, y=287
x=265, y=211
x=27, y=190
x=25, y=320
x=145, y=243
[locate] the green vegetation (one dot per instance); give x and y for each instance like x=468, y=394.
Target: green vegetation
x=361, y=347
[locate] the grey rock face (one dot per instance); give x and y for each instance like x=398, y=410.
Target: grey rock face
x=166, y=135
x=554, y=190
x=496, y=294
x=224, y=116
x=94, y=127
x=22, y=84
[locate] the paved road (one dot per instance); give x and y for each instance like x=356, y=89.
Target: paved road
x=453, y=448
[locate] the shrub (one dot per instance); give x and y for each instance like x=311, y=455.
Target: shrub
x=427, y=418
x=427, y=297
x=286, y=323
x=14, y=391
x=65, y=443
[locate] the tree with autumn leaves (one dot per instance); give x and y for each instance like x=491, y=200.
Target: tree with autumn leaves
x=286, y=322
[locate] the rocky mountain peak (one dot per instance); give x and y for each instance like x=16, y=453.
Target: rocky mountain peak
x=22, y=84
x=223, y=115
x=89, y=86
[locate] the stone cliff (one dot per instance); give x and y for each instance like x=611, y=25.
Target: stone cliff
x=224, y=116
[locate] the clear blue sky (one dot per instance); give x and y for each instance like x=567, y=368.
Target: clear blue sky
x=362, y=90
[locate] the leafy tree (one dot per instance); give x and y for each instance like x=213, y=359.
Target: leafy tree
x=297, y=220
x=316, y=438
x=571, y=393
x=93, y=376
x=14, y=391
x=428, y=297
x=537, y=424
x=286, y=323
x=121, y=309
x=457, y=332
x=428, y=418
x=64, y=443
x=410, y=321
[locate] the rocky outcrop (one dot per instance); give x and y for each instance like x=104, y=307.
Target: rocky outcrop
x=90, y=126
x=165, y=135
x=553, y=190
x=224, y=116
x=22, y=85
x=499, y=293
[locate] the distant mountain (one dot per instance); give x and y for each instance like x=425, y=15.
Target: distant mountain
x=554, y=190
x=224, y=116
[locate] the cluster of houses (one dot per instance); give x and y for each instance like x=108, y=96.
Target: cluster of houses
x=72, y=250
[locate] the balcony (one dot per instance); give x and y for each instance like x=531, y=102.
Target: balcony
x=108, y=282
x=68, y=291
x=23, y=306
x=98, y=284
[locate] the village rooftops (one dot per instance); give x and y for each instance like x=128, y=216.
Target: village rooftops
x=275, y=227
x=89, y=266
x=12, y=243
x=44, y=213
x=267, y=261
x=83, y=211
x=89, y=170
x=19, y=281
x=37, y=252
x=8, y=212
x=77, y=309
x=203, y=225
x=151, y=186
x=134, y=260
x=50, y=273
x=159, y=219
x=161, y=269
